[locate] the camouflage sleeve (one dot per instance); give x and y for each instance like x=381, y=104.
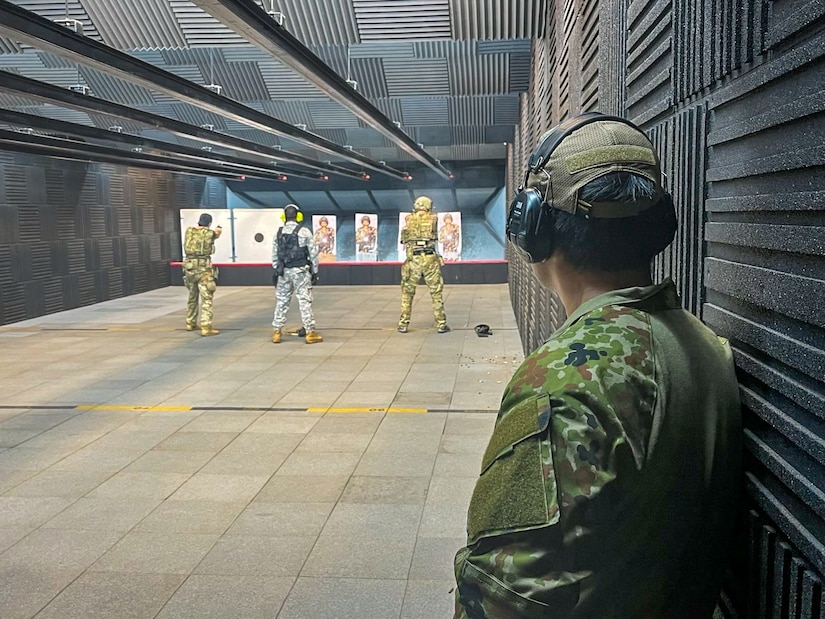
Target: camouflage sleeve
x=308, y=241
x=275, y=250
x=571, y=430
x=524, y=557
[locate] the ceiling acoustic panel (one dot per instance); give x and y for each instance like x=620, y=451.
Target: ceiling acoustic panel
x=497, y=19
x=241, y=81
x=283, y=83
x=53, y=61
x=422, y=77
x=402, y=19
x=425, y=111
x=330, y=115
x=194, y=115
x=7, y=46
x=366, y=138
x=506, y=110
x=320, y=22
x=336, y=56
x=369, y=73
x=113, y=89
x=136, y=24
x=467, y=135
x=473, y=74
x=472, y=111
x=401, y=50
x=23, y=61
x=201, y=29
x=62, y=9
x=294, y=112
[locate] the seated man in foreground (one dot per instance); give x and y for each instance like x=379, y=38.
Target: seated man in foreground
x=609, y=486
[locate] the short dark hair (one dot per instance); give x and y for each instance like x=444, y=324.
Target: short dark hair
x=291, y=212
x=615, y=244
x=205, y=220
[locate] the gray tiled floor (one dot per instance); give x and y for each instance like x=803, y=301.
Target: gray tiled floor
x=148, y=472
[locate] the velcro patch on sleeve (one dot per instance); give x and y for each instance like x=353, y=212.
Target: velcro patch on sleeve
x=519, y=423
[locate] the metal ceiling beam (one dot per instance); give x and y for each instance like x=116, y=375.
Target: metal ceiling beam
x=236, y=164
x=73, y=154
x=251, y=22
x=28, y=27
x=84, y=151
x=49, y=93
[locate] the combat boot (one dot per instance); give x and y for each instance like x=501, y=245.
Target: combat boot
x=402, y=328
x=313, y=337
x=276, y=337
x=208, y=330
x=443, y=329
x=190, y=327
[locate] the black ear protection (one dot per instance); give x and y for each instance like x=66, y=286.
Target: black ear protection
x=531, y=216
x=299, y=217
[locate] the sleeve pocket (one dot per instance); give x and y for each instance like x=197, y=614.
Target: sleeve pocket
x=517, y=489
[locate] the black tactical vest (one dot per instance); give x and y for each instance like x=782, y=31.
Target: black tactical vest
x=290, y=254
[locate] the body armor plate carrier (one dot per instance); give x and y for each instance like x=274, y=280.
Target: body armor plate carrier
x=290, y=253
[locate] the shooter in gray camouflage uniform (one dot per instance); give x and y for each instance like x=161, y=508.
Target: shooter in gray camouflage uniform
x=295, y=260
x=610, y=484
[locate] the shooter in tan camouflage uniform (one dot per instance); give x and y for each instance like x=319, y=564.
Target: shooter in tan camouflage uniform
x=199, y=275
x=419, y=237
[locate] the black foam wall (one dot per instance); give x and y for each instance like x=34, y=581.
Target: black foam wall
x=73, y=234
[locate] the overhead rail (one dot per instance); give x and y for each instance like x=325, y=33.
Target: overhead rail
x=82, y=151
x=228, y=162
x=49, y=93
x=253, y=23
x=28, y=27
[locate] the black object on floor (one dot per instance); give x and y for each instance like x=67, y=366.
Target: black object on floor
x=483, y=330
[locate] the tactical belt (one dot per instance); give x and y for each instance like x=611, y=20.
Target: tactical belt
x=423, y=252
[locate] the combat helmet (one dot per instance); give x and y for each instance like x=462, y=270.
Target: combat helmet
x=423, y=203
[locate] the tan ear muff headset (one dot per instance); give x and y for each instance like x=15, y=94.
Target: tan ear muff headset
x=531, y=215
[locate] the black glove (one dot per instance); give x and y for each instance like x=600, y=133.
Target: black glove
x=314, y=279
x=274, y=278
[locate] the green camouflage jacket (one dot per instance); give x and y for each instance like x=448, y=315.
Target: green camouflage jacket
x=609, y=482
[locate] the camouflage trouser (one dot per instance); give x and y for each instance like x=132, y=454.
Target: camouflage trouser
x=201, y=283
x=428, y=265
x=296, y=280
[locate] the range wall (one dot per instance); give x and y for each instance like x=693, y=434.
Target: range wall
x=74, y=234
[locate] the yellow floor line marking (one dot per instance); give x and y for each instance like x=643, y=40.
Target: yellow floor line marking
x=366, y=410
x=126, y=407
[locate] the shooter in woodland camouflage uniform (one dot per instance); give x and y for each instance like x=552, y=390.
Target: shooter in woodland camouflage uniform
x=419, y=237
x=199, y=276
x=609, y=485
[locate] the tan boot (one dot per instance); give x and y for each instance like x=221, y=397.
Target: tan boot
x=208, y=330
x=313, y=337
x=276, y=337
x=190, y=327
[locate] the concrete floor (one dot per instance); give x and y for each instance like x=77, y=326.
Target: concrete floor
x=146, y=471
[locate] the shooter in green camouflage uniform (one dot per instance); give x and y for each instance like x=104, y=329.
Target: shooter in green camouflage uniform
x=422, y=259
x=199, y=275
x=610, y=483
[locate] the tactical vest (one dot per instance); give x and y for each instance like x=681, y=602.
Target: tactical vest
x=290, y=253
x=199, y=242
x=421, y=230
